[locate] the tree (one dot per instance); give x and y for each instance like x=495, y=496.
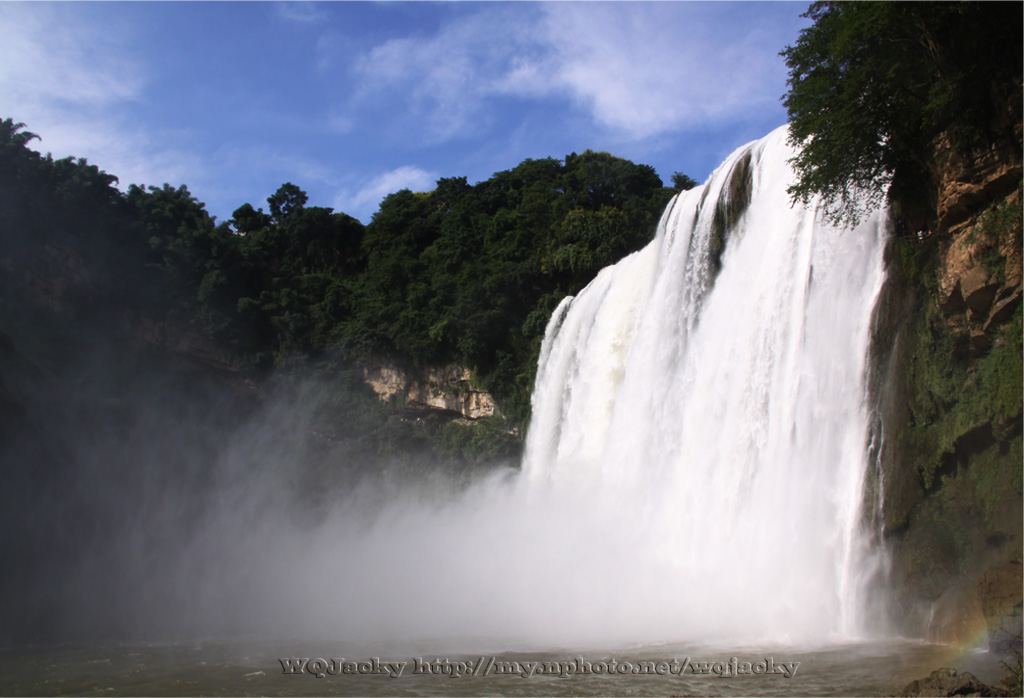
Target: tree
x=465, y=273
x=286, y=200
x=247, y=220
x=596, y=179
x=683, y=182
x=872, y=84
x=14, y=134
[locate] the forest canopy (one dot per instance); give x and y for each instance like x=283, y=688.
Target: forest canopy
x=465, y=273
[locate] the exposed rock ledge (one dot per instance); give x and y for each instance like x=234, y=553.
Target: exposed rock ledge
x=980, y=270
x=448, y=389
x=947, y=682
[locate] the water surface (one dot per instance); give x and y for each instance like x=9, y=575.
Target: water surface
x=250, y=667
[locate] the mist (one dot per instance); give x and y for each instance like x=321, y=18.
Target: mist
x=191, y=506
x=667, y=493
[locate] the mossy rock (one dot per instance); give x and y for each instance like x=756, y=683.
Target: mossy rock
x=731, y=205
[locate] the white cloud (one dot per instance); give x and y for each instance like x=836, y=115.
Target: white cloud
x=637, y=69
x=443, y=79
x=364, y=202
x=129, y=153
x=75, y=74
x=48, y=55
x=74, y=81
x=647, y=69
x=304, y=12
x=339, y=123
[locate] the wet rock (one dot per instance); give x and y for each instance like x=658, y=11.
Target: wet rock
x=947, y=682
x=999, y=591
x=958, y=619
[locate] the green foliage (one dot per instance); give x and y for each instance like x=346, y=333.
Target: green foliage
x=944, y=543
x=464, y=273
x=1016, y=669
x=683, y=182
x=872, y=84
x=287, y=200
x=992, y=474
x=487, y=440
x=64, y=223
x=469, y=273
x=916, y=264
x=951, y=396
x=999, y=375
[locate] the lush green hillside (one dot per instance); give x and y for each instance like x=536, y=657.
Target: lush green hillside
x=153, y=360
x=464, y=274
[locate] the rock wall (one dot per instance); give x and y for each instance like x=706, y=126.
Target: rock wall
x=948, y=383
x=979, y=256
x=447, y=389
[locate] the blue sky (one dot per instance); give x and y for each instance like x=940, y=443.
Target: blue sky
x=354, y=100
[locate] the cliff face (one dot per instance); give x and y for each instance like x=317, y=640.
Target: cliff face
x=979, y=256
x=948, y=381
x=447, y=390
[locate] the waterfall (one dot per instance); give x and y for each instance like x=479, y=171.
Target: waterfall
x=709, y=393
x=693, y=470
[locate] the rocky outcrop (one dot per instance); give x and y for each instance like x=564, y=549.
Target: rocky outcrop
x=948, y=382
x=947, y=682
x=448, y=389
x=999, y=594
x=957, y=618
x=970, y=180
x=986, y=612
x=979, y=270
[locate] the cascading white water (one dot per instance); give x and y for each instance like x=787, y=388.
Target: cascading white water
x=714, y=402
x=693, y=471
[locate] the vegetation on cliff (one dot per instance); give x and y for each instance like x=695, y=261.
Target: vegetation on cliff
x=872, y=84
x=464, y=274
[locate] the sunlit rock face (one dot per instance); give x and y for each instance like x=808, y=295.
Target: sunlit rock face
x=447, y=389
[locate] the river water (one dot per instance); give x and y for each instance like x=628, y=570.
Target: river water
x=253, y=667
